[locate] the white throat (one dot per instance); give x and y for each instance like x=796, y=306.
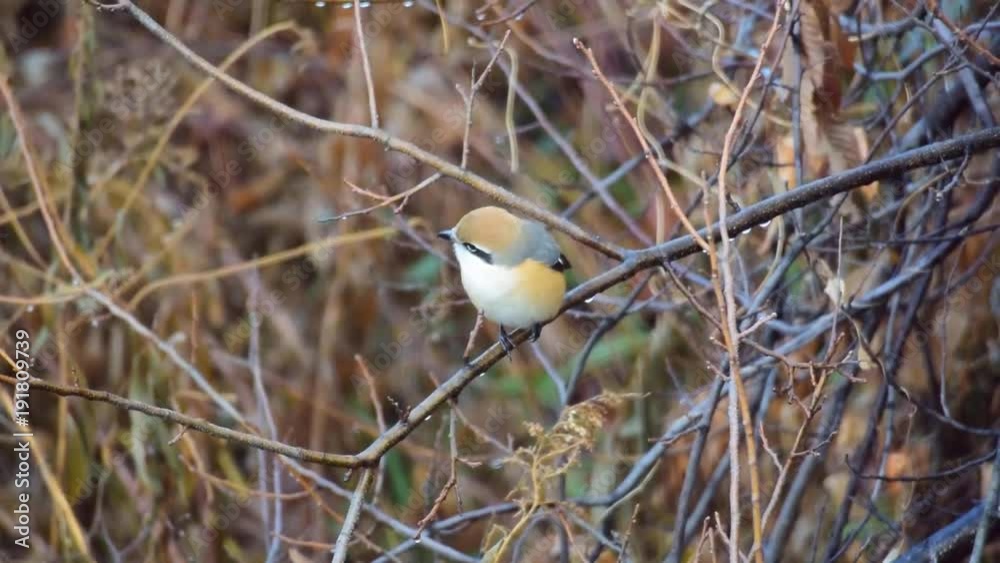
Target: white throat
x=492, y=289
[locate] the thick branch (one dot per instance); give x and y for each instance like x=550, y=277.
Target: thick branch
x=823, y=188
x=191, y=422
x=945, y=542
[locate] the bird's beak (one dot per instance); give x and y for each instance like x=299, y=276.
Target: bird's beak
x=445, y=234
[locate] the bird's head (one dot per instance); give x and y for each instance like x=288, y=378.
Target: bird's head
x=491, y=234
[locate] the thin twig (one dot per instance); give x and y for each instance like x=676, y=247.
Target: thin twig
x=731, y=334
x=366, y=65
x=352, y=517
x=37, y=183
x=983, y=51
x=647, y=151
x=267, y=418
x=379, y=413
x=990, y=504
x=170, y=351
x=470, y=98
x=472, y=336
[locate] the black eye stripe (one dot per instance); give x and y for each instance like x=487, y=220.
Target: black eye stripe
x=478, y=252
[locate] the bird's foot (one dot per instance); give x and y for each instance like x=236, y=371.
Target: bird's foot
x=536, y=331
x=508, y=346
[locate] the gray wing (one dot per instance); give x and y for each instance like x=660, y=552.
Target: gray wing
x=539, y=245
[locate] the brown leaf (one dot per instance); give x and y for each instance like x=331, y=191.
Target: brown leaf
x=722, y=94
x=844, y=142
x=813, y=143
x=823, y=270
x=834, y=289
x=784, y=152
x=865, y=361
x=839, y=6
x=843, y=46
x=819, y=65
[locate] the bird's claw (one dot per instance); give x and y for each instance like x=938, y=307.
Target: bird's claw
x=536, y=331
x=505, y=342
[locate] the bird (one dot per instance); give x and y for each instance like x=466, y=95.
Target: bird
x=511, y=269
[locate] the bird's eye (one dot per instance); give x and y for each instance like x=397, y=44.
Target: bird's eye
x=478, y=252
